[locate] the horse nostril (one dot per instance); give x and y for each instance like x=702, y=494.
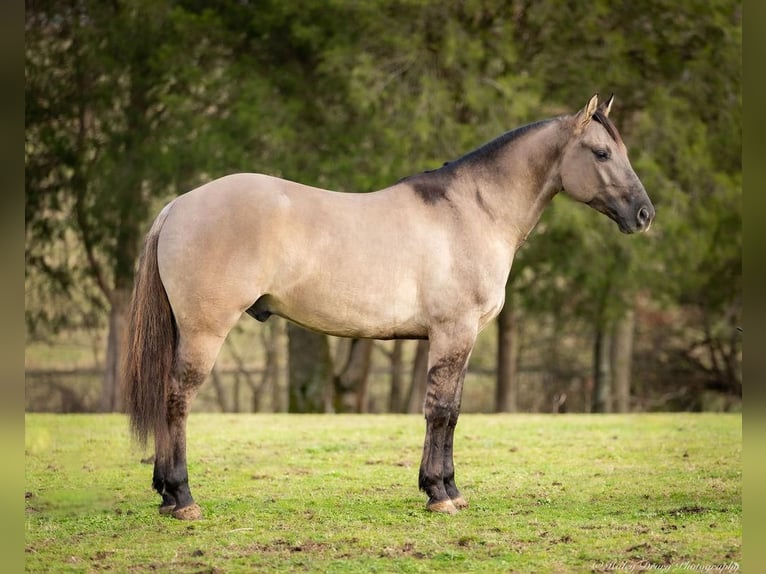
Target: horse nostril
x=643, y=216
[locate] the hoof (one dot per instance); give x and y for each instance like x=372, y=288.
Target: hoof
x=460, y=503
x=191, y=512
x=444, y=506
x=164, y=510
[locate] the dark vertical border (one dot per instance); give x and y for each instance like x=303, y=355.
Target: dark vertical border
x=754, y=255
x=12, y=331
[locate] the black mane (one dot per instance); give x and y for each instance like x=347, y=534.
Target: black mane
x=490, y=149
x=432, y=185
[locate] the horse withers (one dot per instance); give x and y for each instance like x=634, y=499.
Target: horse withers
x=426, y=258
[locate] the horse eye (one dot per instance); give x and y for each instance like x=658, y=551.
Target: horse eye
x=601, y=154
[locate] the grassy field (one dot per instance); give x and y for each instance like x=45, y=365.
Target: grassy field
x=567, y=493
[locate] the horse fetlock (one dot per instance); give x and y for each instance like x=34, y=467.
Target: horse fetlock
x=452, y=491
x=451, y=488
x=168, y=503
x=434, y=488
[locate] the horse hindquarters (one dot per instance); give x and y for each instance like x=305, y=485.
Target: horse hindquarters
x=149, y=362
x=166, y=361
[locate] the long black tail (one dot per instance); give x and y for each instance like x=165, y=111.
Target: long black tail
x=150, y=344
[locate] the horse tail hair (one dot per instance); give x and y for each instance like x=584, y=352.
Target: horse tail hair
x=150, y=344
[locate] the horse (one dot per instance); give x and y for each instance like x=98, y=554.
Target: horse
x=425, y=258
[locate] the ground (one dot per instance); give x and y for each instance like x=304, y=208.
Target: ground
x=337, y=493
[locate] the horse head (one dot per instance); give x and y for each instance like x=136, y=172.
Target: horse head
x=595, y=169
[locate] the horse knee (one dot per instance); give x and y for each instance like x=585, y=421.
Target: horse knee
x=438, y=411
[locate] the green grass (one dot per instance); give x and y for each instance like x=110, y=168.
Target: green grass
x=569, y=493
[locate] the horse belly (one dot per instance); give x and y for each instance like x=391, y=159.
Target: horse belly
x=360, y=309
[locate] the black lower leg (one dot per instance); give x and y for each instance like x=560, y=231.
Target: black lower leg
x=177, y=477
x=449, y=466
x=168, y=503
x=431, y=477
x=178, y=488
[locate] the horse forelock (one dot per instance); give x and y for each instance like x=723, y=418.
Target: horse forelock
x=609, y=126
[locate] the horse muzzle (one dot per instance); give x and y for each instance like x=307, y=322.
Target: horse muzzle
x=630, y=217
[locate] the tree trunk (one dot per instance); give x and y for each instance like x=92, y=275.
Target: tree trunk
x=220, y=393
x=351, y=382
x=110, y=396
x=602, y=376
x=395, y=397
x=506, y=389
x=309, y=369
x=236, y=394
x=272, y=348
x=419, y=378
x=277, y=387
x=622, y=351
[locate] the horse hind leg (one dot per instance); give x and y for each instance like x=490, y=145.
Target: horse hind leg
x=168, y=504
x=194, y=361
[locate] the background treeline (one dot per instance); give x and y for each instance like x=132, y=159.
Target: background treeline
x=132, y=102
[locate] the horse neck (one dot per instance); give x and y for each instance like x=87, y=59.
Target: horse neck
x=519, y=181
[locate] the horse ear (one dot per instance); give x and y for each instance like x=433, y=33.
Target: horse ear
x=584, y=115
x=606, y=106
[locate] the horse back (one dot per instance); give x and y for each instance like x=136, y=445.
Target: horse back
x=343, y=263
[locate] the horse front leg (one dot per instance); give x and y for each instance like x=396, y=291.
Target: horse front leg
x=448, y=357
x=449, y=466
